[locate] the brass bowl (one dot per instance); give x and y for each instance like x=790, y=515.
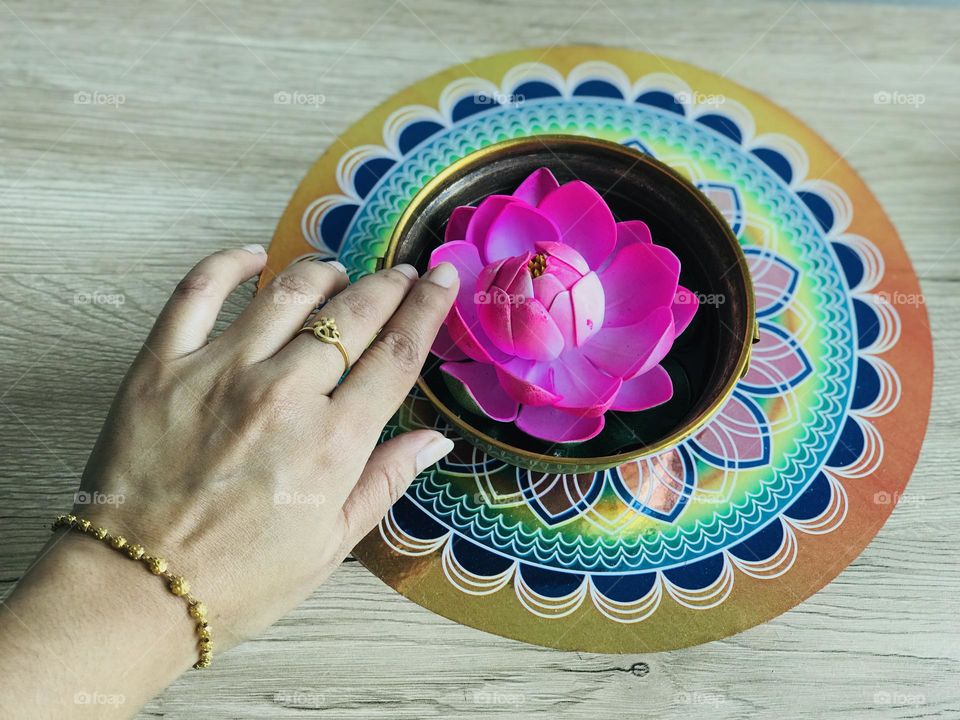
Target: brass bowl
x=706, y=360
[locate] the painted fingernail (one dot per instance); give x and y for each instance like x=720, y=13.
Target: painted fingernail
x=435, y=450
x=338, y=266
x=255, y=249
x=443, y=275
x=409, y=270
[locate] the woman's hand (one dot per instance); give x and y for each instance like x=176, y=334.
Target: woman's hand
x=240, y=459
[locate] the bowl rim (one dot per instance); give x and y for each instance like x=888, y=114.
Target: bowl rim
x=553, y=140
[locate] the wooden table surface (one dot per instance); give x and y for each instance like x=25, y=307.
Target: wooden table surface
x=117, y=199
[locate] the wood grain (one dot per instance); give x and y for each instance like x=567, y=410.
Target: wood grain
x=103, y=200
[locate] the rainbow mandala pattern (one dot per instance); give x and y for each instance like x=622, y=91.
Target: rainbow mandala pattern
x=737, y=500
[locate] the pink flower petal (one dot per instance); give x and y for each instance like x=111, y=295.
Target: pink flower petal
x=628, y=233
x=632, y=349
x=685, y=304
x=546, y=288
x=551, y=424
x=522, y=286
x=466, y=259
x=565, y=275
x=471, y=339
x=488, y=275
x=537, y=186
x=586, y=223
x=645, y=391
x=515, y=275
x=564, y=253
x=487, y=211
x=587, y=298
x=494, y=313
x=480, y=382
x=669, y=263
x=561, y=310
x=458, y=223
x=465, y=305
x=445, y=348
x=641, y=278
x=633, y=231
x=582, y=386
x=535, y=334
x=516, y=230
x=527, y=382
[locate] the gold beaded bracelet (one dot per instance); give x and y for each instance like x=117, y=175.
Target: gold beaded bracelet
x=158, y=566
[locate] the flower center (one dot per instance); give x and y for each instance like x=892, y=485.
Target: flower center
x=537, y=265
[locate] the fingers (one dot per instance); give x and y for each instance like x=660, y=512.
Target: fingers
x=384, y=374
x=359, y=311
x=391, y=468
x=280, y=309
x=187, y=319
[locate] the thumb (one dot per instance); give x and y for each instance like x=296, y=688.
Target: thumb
x=392, y=466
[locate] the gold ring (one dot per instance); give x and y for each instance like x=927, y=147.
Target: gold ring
x=326, y=331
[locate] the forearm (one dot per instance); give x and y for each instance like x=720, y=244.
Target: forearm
x=88, y=633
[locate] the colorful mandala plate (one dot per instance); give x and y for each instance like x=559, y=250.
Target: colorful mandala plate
x=778, y=493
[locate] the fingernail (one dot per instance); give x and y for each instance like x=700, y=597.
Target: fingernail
x=337, y=266
x=436, y=449
x=409, y=270
x=254, y=249
x=444, y=275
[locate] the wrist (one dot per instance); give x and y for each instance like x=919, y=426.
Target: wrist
x=96, y=626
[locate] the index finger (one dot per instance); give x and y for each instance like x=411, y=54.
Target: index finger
x=383, y=375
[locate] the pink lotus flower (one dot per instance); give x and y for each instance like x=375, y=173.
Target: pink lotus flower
x=563, y=313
